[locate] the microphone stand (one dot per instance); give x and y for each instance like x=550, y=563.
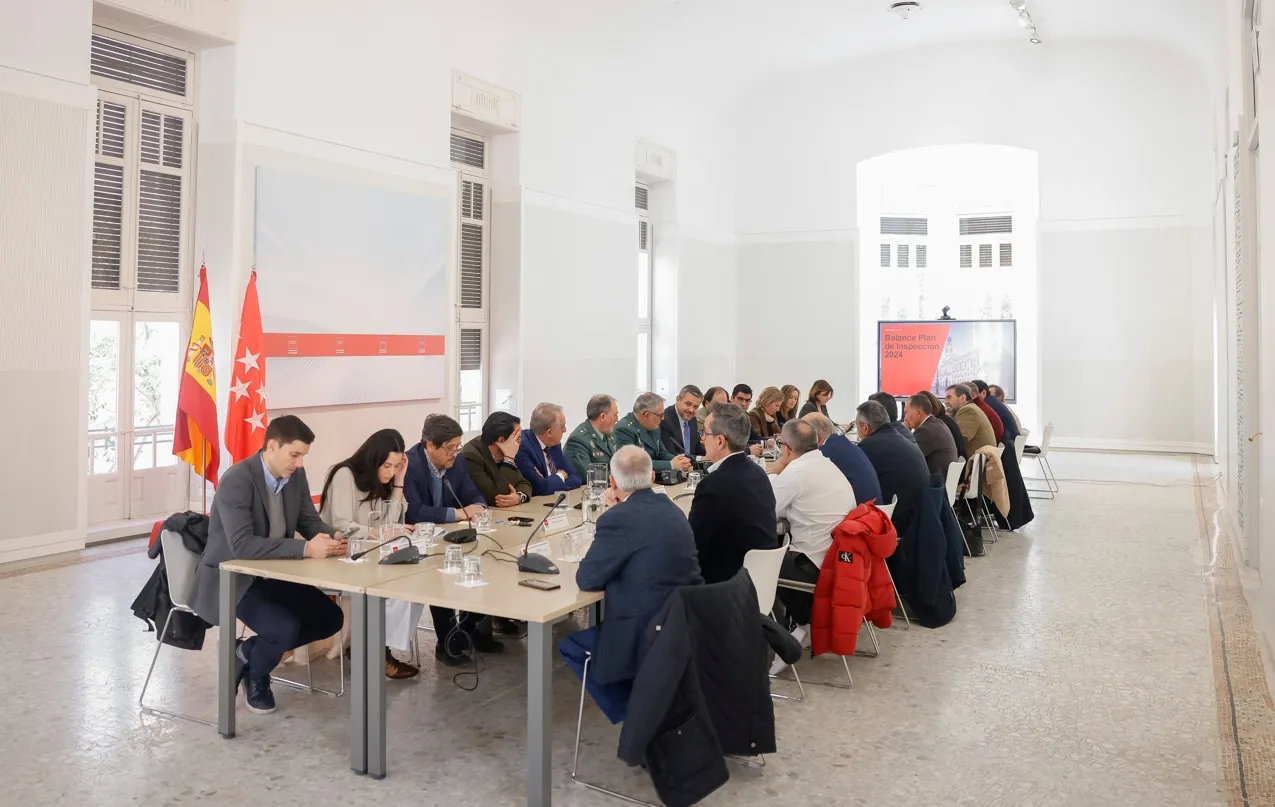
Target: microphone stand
x=466, y=535
x=535, y=563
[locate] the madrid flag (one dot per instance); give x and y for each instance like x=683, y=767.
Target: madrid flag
x=195, y=441
x=246, y=416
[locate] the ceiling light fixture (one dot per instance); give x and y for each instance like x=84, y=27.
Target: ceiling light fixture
x=905, y=8
x=1025, y=20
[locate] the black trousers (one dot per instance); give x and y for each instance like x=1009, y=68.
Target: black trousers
x=284, y=616
x=445, y=622
x=797, y=604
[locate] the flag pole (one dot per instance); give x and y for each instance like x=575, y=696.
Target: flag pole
x=203, y=463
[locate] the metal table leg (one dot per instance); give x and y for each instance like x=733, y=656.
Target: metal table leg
x=358, y=683
x=374, y=678
x=539, y=713
x=226, y=689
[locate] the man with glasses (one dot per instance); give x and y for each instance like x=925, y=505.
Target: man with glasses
x=433, y=461
x=734, y=506
x=641, y=428
x=742, y=396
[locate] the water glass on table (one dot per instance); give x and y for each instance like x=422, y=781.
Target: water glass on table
x=571, y=541
x=471, y=570
x=692, y=480
x=482, y=520
x=423, y=536
x=453, y=560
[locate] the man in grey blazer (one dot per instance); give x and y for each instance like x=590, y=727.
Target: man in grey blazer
x=261, y=503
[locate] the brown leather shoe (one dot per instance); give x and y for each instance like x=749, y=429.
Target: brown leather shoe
x=396, y=669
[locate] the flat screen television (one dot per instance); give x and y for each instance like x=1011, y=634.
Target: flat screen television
x=934, y=354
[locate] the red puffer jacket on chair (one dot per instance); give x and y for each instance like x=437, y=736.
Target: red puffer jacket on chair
x=853, y=582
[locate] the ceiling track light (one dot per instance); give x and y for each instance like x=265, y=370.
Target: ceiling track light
x=1025, y=20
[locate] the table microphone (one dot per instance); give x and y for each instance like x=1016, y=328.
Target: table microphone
x=535, y=563
x=462, y=536
x=358, y=555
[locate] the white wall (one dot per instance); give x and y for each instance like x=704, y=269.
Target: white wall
x=1123, y=134
x=46, y=115
x=563, y=242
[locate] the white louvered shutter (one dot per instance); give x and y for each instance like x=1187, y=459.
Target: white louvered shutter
x=472, y=241
x=471, y=349
x=163, y=177
x=967, y=256
x=641, y=197
x=120, y=60
x=921, y=255
x=469, y=150
x=108, y=195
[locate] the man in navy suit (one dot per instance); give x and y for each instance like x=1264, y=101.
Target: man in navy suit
x=642, y=551
x=734, y=506
x=679, y=429
x=848, y=457
x=431, y=462
x=541, y=459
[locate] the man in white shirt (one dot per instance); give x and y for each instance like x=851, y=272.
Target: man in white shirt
x=814, y=496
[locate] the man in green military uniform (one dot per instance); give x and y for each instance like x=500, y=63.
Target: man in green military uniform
x=593, y=442
x=641, y=428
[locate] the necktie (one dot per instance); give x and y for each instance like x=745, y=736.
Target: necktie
x=549, y=463
x=686, y=436
x=436, y=488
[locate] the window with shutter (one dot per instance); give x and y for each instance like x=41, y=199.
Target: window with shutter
x=118, y=60
x=469, y=150
x=641, y=197
x=472, y=380
x=903, y=254
x=885, y=256
x=986, y=225
x=108, y=221
x=984, y=256
x=899, y=225
x=471, y=266
x=921, y=256
x=967, y=256
x=642, y=234
x=1007, y=254
x=159, y=225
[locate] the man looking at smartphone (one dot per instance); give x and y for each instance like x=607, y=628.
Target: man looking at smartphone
x=262, y=503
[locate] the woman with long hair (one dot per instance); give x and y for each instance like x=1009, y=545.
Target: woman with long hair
x=764, y=414
x=820, y=394
x=788, y=410
x=354, y=497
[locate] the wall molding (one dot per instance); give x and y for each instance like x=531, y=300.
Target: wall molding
x=1099, y=444
x=1123, y=223
x=34, y=546
x=48, y=88
x=800, y=236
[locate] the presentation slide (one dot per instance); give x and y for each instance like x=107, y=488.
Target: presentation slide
x=933, y=355
x=353, y=287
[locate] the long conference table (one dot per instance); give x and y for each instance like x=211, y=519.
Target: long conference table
x=369, y=585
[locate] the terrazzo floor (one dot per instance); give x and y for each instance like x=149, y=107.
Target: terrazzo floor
x=1086, y=666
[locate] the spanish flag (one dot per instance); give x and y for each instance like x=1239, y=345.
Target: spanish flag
x=195, y=441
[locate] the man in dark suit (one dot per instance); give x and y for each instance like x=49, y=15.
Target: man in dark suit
x=433, y=465
x=1002, y=411
x=848, y=457
x=932, y=435
x=680, y=429
x=734, y=506
x=643, y=550
x=891, y=407
x=541, y=459
x=261, y=504
x=899, y=464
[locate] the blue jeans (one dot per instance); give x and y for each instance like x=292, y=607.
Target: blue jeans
x=612, y=698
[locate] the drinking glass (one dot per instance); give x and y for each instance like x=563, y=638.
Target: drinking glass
x=354, y=546
x=423, y=536
x=571, y=546
x=598, y=475
x=453, y=559
x=692, y=480
x=482, y=519
x=471, y=570
x=760, y=462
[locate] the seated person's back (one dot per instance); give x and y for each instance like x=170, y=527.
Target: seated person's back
x=848, y=457
x=899, y=464
x=734, y=506
x=643, y=549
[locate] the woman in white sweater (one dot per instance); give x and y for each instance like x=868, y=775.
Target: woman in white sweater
x=354, y=495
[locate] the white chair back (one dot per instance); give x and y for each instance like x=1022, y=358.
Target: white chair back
x=1044, y=441
x=954, y=471
x=180, y=564
x=976, y=470
x=888, y=509
x=763, y=567
x=1020, y=443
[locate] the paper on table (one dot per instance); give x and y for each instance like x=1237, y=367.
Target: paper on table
x=472, y=584
x=539, y=548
